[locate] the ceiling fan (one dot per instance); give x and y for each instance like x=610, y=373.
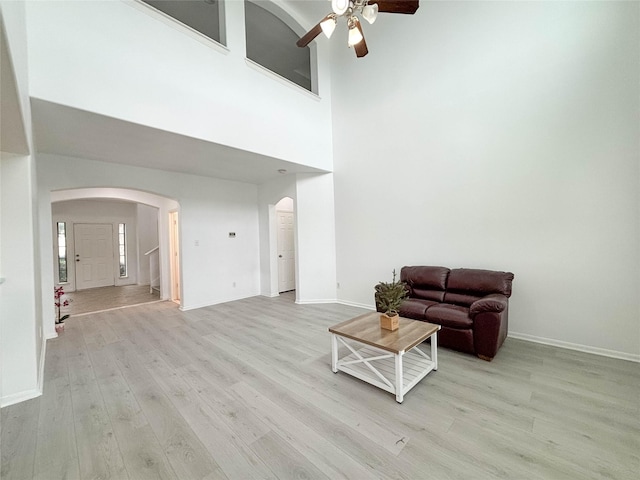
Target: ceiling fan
x=350, y=9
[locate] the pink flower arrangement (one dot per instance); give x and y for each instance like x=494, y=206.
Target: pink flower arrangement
x=58, y=292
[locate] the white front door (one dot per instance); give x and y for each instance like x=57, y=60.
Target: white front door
x=286, y=252
x=94, y=255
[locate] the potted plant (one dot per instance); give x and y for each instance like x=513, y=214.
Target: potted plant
x=58, y=292
x=388, y=297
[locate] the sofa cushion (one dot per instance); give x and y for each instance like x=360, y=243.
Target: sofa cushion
x=447, y=315
x=415, y=308
x=479, y=282
x=432, y=278
x=460, y=298
x=427, y=283
x=426, y=294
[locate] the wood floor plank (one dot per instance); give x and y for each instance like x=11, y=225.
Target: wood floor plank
x=185, y=452
x=19, y=439
x=379, y=429
x=227, y=449
x=98, y=451
x=57, y=451
x=319, y=451
x=621, y=460
x=245, y=390
x=142, y=454
x=284, y=461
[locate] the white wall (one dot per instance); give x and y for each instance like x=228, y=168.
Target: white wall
x=118, y=59
x=14, y=22
x=269, y=194
x=315, y=239
x=147, y=231
x=98, y=211
x=209, y=210
x=499, y=135
x=20, y=342
x=312, y=201
x=21, y=326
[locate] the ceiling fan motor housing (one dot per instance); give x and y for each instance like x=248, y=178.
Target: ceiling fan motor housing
x=340, y=7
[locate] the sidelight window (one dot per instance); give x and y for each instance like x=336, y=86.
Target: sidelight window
x=122, y=248
x=62, y=252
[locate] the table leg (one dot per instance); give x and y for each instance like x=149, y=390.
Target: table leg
x=434, y=350
x=334, y=353
x=399, y=375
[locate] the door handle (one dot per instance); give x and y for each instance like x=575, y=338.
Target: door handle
x=279, y=256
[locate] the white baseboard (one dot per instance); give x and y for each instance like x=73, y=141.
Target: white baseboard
x=19, y=397
x=355, y=304
x=311, y=302
x=29, y=394
x=43, y=354
x=576, y=346
x=183, y=308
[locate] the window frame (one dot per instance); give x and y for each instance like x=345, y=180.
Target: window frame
x=122, y=251
x=62, y=235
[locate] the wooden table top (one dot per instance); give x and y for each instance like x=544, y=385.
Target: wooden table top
x=366, y=329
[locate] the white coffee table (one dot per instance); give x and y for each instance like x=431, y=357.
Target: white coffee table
x=390, y=360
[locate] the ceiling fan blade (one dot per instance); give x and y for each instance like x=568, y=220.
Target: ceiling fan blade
x=311, y=34
x=361, y=47
x=396, y=6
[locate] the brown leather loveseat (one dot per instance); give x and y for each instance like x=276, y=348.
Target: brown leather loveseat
x=472, y=306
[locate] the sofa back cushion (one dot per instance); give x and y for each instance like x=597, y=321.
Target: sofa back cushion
x=428, y=283
x=466, y=285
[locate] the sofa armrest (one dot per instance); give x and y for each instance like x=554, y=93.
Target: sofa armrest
x=495, y=302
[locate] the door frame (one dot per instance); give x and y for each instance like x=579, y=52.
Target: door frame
x=278, y=248
x=175, y=289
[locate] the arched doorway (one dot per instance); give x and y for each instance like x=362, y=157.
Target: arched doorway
x=111, y=247
x=285, y=220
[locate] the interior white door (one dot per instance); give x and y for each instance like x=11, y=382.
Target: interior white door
x=286, y=252
x=94, y=255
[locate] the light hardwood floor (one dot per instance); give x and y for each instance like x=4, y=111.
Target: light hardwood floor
x=244, y=390
x=107, y=298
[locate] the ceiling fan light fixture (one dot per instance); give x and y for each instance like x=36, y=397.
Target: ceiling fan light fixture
x=339, y=7
x=329, y=25
x=355, y=36
x=370, y=13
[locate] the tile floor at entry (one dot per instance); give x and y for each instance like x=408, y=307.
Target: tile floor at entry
x=107, y=298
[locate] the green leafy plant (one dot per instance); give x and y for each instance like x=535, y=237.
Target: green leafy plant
x=389, y=296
